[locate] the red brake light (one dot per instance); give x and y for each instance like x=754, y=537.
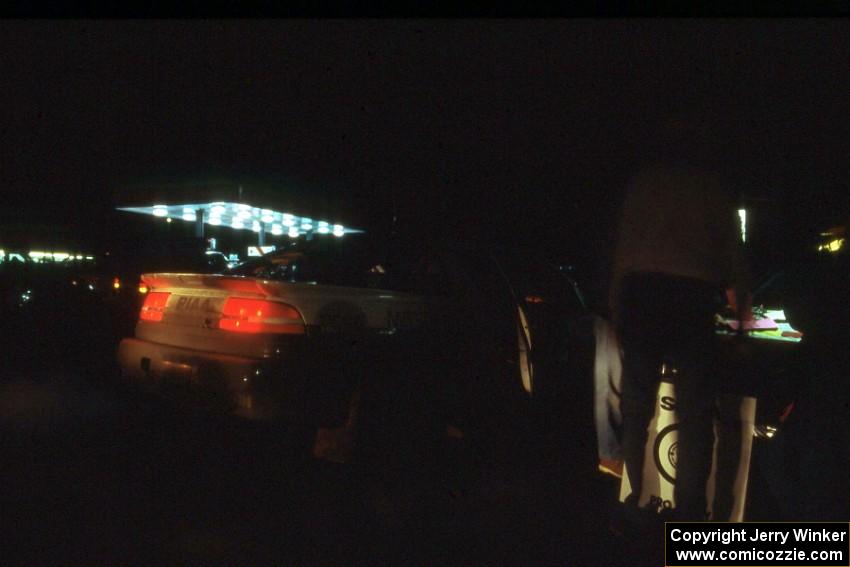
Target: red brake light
x=260, y=316
x=154, y=306
x=534, y=299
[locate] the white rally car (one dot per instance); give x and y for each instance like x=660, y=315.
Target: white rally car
x=295, y=334
x=247, y=342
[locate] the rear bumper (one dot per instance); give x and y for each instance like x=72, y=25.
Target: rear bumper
x=213, y=381
x=292, y=387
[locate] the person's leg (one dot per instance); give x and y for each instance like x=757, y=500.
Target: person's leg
x=637, y=315
x=640, y=371
x=696, y=393
x=729, y=445
x=606, y=363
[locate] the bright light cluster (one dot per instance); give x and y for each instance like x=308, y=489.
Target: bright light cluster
x=240, y=216
x=37, y=256
x=832, y=245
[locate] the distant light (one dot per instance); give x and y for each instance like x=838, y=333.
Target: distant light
x=742, y=214
x=168, y=219
x=116, y=283
x=37, y=256
x=241, y=207
x=160, y=211
x=143, y=288
x=244, y=215
x=306, y=224
x=288, y=220
x=339, y=230
x=277, y=229
x=832, y=246
x=268, y=218
x=323, y=228
x=764, y=431
x=256, y=226
x=188, y=211
x=293, y=232
x=237, y=224
x=189, y=216
x=217, y=210
x=215, y=221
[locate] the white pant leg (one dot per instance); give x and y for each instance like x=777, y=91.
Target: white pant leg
x=607, y=377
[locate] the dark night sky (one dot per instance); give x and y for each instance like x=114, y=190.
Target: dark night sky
x=534, y=124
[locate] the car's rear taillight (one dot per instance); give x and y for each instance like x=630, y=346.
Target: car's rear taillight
x=154, y=306
x=260, y=316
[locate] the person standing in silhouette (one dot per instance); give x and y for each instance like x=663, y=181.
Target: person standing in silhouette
x=678, y=248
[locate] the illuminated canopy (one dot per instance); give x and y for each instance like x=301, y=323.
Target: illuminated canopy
x=241, y=216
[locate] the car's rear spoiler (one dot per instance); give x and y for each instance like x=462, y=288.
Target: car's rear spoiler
x=235, y=284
